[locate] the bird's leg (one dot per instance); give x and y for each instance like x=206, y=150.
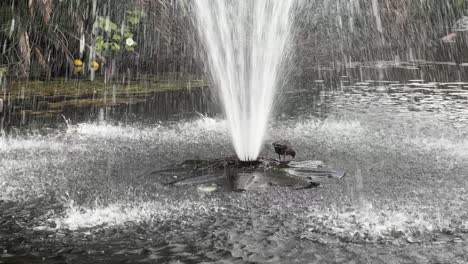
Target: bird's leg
x=279, y=157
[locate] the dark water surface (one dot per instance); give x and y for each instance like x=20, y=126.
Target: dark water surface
x=86, y=193
x=36, y=112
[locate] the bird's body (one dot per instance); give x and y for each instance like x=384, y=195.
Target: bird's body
x=283, y=148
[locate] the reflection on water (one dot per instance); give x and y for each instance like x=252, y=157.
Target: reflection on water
x=39, y=111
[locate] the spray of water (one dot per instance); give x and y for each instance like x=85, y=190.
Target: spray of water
x=245, y=43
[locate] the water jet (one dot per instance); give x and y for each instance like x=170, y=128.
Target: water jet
x=245, y=46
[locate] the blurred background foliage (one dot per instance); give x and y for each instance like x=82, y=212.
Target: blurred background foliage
x=41, y=39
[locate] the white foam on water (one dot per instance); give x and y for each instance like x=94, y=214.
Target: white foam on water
x=180, y=130
x=448, y=146
x=30, y=143
x=367, y=222
x=118, y=214
x=353, y=132
x=330, y=127
x=28, y=159
x=33, y=161
x=326, y=132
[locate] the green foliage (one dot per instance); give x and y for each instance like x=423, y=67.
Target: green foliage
x=42, y=38
x=461, y=4
x=133, y=20
x=111, y=38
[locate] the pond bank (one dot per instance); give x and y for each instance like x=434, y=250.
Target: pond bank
x=48, y=102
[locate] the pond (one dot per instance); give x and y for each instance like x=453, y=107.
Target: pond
x=86, y=192
x=39, y=104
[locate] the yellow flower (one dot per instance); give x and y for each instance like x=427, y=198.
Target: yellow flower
x=78, y=63
x=78, y=69
x=94, y=66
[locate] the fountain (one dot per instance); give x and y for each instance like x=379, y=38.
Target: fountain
x=245, y=44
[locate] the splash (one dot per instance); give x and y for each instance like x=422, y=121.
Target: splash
x=117, y=214
x=246, y=43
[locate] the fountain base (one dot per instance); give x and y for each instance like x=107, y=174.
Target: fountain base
x=232, y=174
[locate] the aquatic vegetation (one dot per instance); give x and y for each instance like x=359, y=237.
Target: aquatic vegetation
x=85, y=88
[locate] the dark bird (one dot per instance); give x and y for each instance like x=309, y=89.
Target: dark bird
x=284, y=148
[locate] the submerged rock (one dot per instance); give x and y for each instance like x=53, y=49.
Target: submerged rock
x=231, y=174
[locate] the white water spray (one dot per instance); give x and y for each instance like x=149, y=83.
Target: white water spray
x=245, y=42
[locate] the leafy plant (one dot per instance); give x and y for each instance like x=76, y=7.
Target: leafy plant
x=113, y=39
